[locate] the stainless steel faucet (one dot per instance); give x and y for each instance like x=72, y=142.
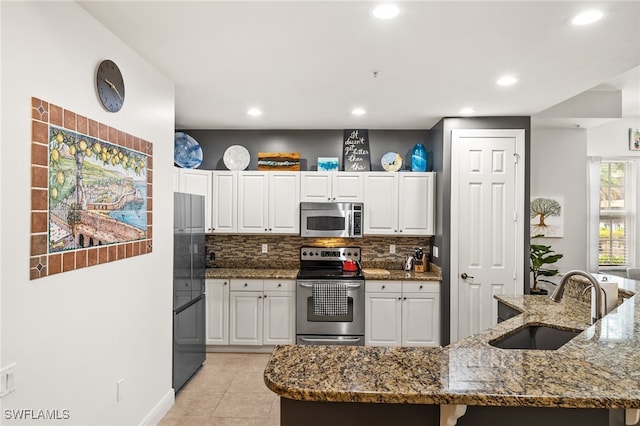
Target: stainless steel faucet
x=599, y=309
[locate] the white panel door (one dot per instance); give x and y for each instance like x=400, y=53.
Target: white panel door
x=486, y=225
x=284, y=202
x=245, y=322
x=380, y=203
x=224, y=202
x=421, y=319
x=279, y=318
x=415, y=201
x=198, y=182
x=315, y=187
x=347, y=187
x=217, y=313
x=253, y=202
x=383, y=319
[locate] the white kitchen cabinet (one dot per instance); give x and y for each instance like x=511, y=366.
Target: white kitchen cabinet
x=269, y=202
x=224, y=202
x=402, y=313
x=420, y=313
x=279, y=312
x=176, y=179
x=383, y=314
x=198, y=182
x=399, y=203
x=262, y=312
x=217, y=313
x=325, y=187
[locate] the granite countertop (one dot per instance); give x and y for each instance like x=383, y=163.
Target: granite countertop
x=228, y=273
x=600, y=368
x=369, y=274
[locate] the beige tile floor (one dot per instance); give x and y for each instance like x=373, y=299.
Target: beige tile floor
x=228, y=390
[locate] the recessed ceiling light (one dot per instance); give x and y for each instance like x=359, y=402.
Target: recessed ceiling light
x=254, y=112
x=358, y=111
x=587, y=17
x=386, y=11
x=467, y=110
x=506, y=80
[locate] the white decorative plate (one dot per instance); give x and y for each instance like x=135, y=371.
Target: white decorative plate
x=236, y=157
x=391, y=161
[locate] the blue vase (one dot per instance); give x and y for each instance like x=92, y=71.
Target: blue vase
x=419, y=158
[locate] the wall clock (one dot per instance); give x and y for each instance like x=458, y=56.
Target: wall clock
x=110, y=86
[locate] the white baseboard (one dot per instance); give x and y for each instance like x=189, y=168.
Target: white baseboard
x=158, y=412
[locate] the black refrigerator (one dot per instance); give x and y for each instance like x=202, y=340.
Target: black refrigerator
x=189, y=265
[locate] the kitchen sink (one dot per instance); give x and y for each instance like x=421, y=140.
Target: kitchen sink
x=540, y=337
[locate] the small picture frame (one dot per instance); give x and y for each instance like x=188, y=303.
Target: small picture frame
x=634, y=139
x=328, y=164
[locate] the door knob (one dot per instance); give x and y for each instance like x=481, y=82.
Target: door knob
x=464, y=276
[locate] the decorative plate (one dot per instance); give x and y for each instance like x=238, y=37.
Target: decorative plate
x=236, y=157
x=391, y=161
x=186, y=151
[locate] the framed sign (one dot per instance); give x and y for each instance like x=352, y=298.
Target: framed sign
x=356, y=156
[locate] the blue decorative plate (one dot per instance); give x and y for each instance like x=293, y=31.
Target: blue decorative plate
x=391, y=161
x=186, y=151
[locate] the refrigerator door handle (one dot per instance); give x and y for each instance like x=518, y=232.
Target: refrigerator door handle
x=188, y=304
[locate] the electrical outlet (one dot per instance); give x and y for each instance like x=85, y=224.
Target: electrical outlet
x=7, y=380
x=435, y=251
x=265, y=248
x=120, y=390
x=392, y=249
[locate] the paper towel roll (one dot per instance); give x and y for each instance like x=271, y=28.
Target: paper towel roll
x=611, y=291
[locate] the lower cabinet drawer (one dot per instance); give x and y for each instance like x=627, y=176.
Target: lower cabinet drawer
x=420, y=287
x=279, y=285
x=248, y=284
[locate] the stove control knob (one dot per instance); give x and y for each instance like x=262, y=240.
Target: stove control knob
x=304, y=253
x=311, y=253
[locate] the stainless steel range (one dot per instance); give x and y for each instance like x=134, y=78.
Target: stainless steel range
x=330, y=297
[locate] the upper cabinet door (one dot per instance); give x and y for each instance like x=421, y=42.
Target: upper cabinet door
x=348, y=187
x=415, y=196
x=225, y=202
x=198, y=182
x=284, y=202
x=253, y=202
x=381, y=203
x=315, y=187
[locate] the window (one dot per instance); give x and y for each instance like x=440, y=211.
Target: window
x=617, y=214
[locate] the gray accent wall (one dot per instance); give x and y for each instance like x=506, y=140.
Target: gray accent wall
x=311, y=144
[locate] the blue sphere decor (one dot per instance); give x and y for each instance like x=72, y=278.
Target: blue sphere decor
x=186, y=151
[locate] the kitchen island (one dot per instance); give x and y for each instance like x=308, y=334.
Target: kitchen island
x=593, y=379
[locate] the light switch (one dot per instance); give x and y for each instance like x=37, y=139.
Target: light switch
x=435, y=251
x=265, y=248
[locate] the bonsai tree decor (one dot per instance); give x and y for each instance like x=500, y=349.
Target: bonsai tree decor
x=541, y=257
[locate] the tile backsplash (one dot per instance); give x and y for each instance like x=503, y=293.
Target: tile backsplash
x=245, y=251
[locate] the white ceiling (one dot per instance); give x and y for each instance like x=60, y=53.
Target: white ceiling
x=307, y=64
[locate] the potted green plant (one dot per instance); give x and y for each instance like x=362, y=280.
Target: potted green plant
x=542, y=257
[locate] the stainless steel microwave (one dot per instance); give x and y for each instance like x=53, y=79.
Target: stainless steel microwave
x=331, y=220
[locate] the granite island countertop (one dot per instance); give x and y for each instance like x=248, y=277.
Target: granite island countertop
x=600, y=368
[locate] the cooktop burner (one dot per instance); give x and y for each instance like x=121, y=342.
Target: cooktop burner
x=328, y=262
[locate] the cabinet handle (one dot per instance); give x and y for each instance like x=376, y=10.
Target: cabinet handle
x=265, y=296
x=401, y=230
x=404, y=298
x=269, y=229
x=259, y=297
x=383, y=287
x=265, y=229
x=225, y=283
x=245, y=284
x=421, y=287
x=399, y=298
x=279, y=285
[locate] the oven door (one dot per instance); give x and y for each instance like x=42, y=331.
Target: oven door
x=309, y=324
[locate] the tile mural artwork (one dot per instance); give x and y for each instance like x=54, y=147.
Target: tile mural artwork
x=91, y=192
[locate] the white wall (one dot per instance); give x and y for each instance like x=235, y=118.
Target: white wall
x=559, y=168
x=612, y=139
x=74, y=335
